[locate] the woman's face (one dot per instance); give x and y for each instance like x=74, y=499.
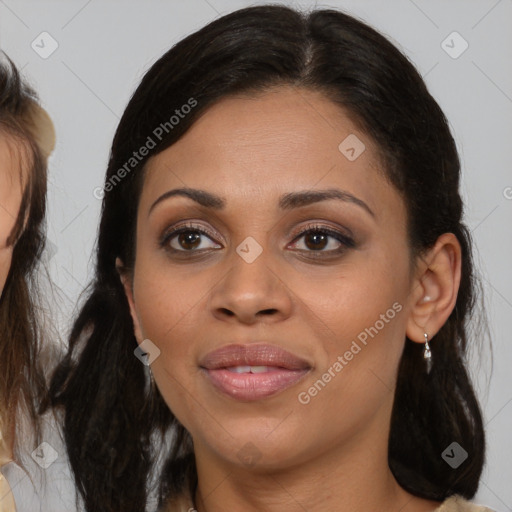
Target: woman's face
x=10, y=201
x=222, y=300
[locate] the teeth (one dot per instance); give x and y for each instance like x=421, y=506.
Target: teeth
x=248, y=369
x=240, y=369
x=259, y=369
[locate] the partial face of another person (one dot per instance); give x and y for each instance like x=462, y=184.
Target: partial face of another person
x=269, y=266
x=11, y=190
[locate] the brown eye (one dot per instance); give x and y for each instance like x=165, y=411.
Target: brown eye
x=316, y=240
x=188, y=239
x=321, y=239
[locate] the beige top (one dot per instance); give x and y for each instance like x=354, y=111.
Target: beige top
x=454, y=503
x=6, y=497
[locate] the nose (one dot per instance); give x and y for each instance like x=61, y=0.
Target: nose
x=251, y=292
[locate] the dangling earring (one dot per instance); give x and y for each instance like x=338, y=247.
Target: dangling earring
x=427, y=355
x=151, y=393
x=152, y=383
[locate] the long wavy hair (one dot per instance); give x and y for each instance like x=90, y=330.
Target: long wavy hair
x=112, y=415
x=22, y=381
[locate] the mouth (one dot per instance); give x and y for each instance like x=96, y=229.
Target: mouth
x=253, y=372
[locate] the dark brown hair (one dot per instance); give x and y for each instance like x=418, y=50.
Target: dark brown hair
x=111, y=414
x=22, y=385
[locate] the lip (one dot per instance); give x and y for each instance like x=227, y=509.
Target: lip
x=284, y=370
x=253, y=354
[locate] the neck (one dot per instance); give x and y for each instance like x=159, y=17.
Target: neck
x=351, y=477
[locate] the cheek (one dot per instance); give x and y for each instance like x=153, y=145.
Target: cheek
x=168, y=305
x=5, y=265
x=360, y=308
x=9, y=211
x=162, y=304
x=10, y=202
x=353, y=297
x=167, y=311
x=364, y=315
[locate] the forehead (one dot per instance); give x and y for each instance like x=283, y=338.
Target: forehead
x=283, y=123
x=14, y=159
x=269, y=144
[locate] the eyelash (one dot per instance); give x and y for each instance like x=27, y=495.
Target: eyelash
x=345, y=241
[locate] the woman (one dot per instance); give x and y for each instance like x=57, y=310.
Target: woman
x=23, y=153
x=27, y=138
x=279, y=315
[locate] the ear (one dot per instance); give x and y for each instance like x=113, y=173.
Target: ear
x=435, y=288
x=127, y=281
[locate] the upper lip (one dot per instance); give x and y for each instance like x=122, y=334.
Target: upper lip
x=253, y=354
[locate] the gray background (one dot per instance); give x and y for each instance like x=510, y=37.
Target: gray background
x=104, y=48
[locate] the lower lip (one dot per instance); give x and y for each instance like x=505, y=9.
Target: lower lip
x=254, y=386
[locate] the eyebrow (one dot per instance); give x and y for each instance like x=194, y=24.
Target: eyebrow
x=287, y=201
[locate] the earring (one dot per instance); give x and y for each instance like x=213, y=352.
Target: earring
x=151, y=393
x=427, y=354
x=152, y=383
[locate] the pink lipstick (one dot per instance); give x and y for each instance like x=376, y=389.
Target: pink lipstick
x=254, y=371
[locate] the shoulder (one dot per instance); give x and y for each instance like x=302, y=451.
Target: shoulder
x=457, y=503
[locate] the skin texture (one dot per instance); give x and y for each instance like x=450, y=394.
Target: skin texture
x=329, y=454
x=11, y=175
x=12, y=170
